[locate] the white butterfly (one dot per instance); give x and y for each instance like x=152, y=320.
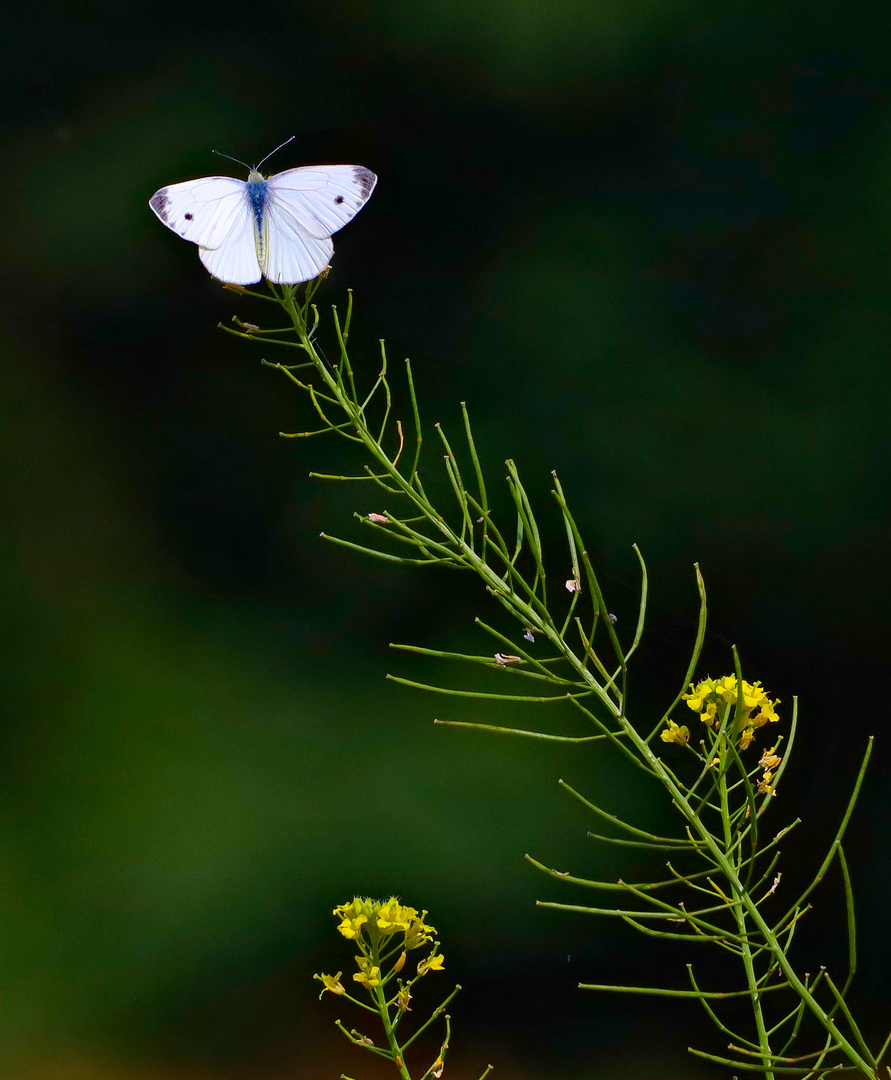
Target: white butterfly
x=278, y=227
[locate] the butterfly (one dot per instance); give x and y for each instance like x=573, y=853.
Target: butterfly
x=278, y=227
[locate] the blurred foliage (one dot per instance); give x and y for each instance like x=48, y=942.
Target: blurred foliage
x=648, y=244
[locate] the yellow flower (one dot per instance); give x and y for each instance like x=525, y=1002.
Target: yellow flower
x=368, y=975
x=402, y=1000
x=432, y=963
x=698, y=694
x=753, y=695
x=673, y=733
x=330, y=982
x=393, y=916
x=769, y=759
x=726, y=688
x=353, y=916
x=350, y=928
x=419, y=933
x=767, y=713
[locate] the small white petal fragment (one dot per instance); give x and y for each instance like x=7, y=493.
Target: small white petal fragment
x=528, y=635
x=379, y=519
x=573, y=585
x=506, y=658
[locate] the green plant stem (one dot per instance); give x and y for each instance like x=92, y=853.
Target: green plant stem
x=390, y=1031
x=739, y=915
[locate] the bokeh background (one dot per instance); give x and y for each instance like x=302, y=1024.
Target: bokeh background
x=648, y=243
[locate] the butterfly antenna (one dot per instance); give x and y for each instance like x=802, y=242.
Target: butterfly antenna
x=230, y=158
x=275, y=151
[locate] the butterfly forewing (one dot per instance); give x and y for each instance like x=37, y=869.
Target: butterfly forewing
x=202, y=211
x=323, y=198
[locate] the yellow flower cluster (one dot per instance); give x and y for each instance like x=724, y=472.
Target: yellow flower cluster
x=372, y=924
x=374, y=920
x=715, y=698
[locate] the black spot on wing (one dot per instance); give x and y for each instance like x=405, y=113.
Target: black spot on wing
x=338, y=199
x=189, y=217
x=366, y=180
x=158, y=203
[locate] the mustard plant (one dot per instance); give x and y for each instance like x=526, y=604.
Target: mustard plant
x=384, y=933
x=718, y=750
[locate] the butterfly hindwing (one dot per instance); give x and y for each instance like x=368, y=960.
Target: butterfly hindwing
x=288, y=253
x=236, y=260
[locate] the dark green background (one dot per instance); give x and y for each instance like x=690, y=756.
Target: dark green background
x=648, y=243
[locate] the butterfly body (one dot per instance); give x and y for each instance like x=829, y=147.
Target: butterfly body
x=256, y=193
x=278, y=227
